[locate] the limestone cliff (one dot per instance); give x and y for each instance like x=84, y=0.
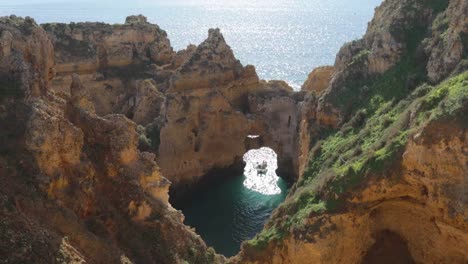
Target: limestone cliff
x=75, y=188
x=87, y=47
x=99, y=121
x=81, y=104
x=386, y=178
x=212, y=106
x=193, y=105
x=318, y=79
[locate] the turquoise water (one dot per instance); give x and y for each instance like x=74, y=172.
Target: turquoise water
x=235, y=210
x=284, y=39
x=229, y=213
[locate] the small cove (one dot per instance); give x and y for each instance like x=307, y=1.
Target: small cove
x=235, y=210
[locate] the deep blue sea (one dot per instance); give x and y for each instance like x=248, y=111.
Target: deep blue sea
x=284, y=39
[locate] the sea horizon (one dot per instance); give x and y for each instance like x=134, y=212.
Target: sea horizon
x=284, y=40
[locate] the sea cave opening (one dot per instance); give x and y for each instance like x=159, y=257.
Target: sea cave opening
x=235, y=209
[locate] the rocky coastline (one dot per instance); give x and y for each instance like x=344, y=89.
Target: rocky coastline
x=101, y=123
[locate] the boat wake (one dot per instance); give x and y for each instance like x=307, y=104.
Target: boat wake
x=260, y=171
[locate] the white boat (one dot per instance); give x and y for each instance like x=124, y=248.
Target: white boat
x=262, y=168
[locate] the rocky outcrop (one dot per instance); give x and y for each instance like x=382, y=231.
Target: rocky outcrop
x=78, y=133
x=212, y=64
x=76, y=188
x=448, y=47
x=196, y=100
x=112, y=61
x=88, y=154
x=384, y=183
x=212, y=105
x=89, y=47
x=145, y=103
x=319, y=79
x=394, y=35
x=23, y=38
x=412, y=214
x=277, y=113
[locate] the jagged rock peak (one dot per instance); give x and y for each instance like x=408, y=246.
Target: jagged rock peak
x=217, y=44
x=213, y=63
x=16, y=21
x=215, y=33
x=136, y=19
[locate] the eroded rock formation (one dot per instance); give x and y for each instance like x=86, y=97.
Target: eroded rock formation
x=88, y=99
x=75, y=188
x=193, y=104
x=387, y=182
x=99, y=121
x=319, y=79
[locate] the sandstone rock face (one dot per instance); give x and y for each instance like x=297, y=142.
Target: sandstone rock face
x=212, y=64
x=410, y=208
x=212, y=105
x=76, y=188
x=77, y=135
x=146, y=104
x=420, y=204
x=182, y=56
x=194, y=108
x=448, y=47
x=385, y=40
x=394, y=33
x=112, y=62
x=205, y=127
x=319, y=79
x=88, y=47
x=79, y=186
x=277, y=116
x=203, y=131
x=27, y=57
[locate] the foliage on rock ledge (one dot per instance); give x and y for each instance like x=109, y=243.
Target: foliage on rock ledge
x=367, y=144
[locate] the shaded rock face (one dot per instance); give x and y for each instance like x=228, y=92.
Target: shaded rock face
x=415, y=213
x=26, y=58
x=394, y=33
x=211, y=107
x=75, y=186
x=277, y=114
x=88, y=98
x=448, y=47
x=88, y=47
x=407, y=207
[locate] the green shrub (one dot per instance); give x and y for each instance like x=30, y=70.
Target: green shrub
x=343, y=159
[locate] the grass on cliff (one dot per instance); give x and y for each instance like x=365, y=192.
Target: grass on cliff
x=341, y=161
x=384, y=112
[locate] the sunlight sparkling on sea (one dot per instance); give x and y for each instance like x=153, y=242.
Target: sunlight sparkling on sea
x=284, y=39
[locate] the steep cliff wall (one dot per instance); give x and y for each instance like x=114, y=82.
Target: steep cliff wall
x=82, y=102
x=386, y=180
x=193, y=105
x=98, y=120
x=75, y=188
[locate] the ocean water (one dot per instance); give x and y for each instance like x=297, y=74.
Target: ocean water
x=284, y=39
x=235, y=210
